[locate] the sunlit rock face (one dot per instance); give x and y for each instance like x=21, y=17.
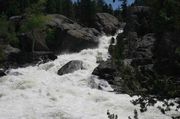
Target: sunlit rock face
x=71, y=36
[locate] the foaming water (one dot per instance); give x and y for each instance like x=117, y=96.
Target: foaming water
x=39, y=93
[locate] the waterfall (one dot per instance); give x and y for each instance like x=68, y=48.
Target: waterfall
x=37, y=92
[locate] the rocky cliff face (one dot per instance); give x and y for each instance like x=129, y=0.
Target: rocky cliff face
x=60, y=35
x=145, y=62
x=153, y=56
x=107, y=23
x=70, y=36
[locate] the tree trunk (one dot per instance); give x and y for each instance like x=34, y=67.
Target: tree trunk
x=33, y=43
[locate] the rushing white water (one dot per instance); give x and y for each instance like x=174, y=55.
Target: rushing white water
x=39, y=93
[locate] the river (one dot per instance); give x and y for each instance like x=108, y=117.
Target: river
x=37, y=92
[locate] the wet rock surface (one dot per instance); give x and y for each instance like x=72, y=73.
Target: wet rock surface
x=71, y=67
x=2, y=73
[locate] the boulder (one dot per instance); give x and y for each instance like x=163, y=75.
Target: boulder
x=70, y=36
x=2, y=73
x=145, y=46
x=106, y=23
x=71, y=67
x=106, y=71
x=26, y=41
x=9, y=50
x=135, y=47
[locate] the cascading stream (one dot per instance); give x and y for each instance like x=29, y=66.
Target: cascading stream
x=37, y=92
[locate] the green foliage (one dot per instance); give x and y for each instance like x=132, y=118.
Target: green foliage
x=36, y=7
x=130, y=79
x=166, y=14
x=34, y=22
x=124, y=8
x=13, y=40
x=177, y=51
x=100, y=5
x=4, y=24
x=119, y=51
x=16, y=7
x=7, y=32
x=88, y=11
x=64, y=7
x=51, y=38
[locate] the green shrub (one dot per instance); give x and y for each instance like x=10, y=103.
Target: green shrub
x=13, y=40
x=177, y=51
x=4, y=24
x=34, y=22
x=7, y=32
x=52, y=39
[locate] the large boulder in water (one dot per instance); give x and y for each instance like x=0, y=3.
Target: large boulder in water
x=106, y=71
x=70, y=36
x=70, y=67
x=106, y=23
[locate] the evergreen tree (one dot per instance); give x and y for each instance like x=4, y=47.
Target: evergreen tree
x=51, y=6
x=33, y=24
x=100, y=5
x=88, y=11
x=108, y=8
x=124, y=8
x=67, y=10
x=64, y=7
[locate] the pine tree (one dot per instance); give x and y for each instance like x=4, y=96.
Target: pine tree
x=51, y=6
x=88, y=11
x=67, y=8
x=124, y=8
x=100, y=5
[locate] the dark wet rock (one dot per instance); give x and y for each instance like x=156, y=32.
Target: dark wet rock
x=145, y=46
x=99, y=84
x=105, y=71
x=52, y=56
x=22, y=59
x=106, y=23
x=71, y=67
x=2, y=73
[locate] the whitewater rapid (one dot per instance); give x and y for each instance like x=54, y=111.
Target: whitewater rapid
x=37, y=92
